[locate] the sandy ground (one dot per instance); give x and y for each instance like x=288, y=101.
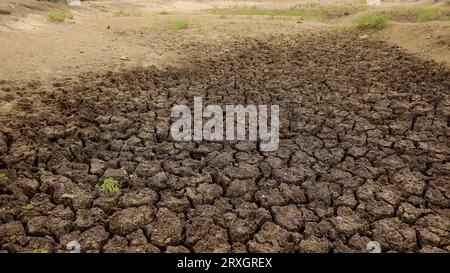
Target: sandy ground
x=33, y=48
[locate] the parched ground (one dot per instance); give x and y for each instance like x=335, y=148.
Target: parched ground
x=109, y=35
x=364, y=154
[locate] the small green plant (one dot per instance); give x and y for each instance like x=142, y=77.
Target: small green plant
x=180, y=24
x=3, y=175
x=369, y=21
x=28, y=207
x=59, y=15
x=41, y=171
x=40, y=251
x=127, y=13
x=109, y=186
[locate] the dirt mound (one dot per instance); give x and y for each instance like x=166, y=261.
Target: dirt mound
x=364, y=155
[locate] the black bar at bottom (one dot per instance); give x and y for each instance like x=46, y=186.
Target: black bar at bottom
x=130, y=263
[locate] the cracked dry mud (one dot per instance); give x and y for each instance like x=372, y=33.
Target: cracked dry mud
x=364, y=155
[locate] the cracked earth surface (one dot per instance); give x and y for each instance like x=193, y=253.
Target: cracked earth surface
x=364, y=155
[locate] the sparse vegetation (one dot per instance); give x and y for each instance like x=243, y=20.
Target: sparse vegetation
x=40, y=251
x=3, y=175
x=418, y=14
x=127, y=13
x=256, y=11
x=308, y=11
x=59, y=15
x=109, y=186
x=369, y=21
x=200, y=30
x=28, y=207
x=180, y=24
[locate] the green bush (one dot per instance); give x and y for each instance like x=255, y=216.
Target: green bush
x=180, y=24
x=372, y=21
x=59, y=15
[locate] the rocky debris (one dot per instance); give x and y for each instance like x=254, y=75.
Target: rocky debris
x=373, y=247
x=73, y=247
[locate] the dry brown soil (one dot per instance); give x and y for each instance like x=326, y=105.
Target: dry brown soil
x=364, y=152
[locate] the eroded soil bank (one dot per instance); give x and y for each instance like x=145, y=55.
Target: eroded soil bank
x=364, y=155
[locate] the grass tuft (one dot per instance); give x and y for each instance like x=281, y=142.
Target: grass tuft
x=180, y=24
x=418, y=14
x=59, y=15
x=369, y=21
x=28, y=207
x=109, y=186
x=127, y=13
x=40, y=251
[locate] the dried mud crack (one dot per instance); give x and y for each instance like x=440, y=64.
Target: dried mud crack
x=364, y=155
